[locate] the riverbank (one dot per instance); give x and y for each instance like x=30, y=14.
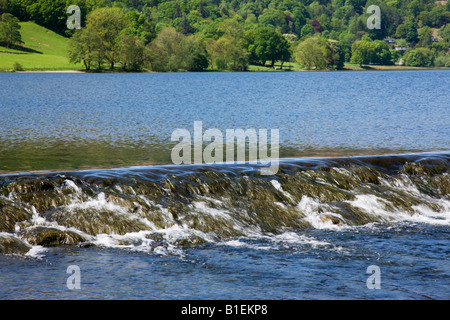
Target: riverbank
x=252, y=68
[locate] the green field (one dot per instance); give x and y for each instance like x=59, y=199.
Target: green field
x=42, y=50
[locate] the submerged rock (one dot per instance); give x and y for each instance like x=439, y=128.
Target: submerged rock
x=49, y=237
x=332, y=219
x=10, y=244
x=96, y=221
x=10, y=214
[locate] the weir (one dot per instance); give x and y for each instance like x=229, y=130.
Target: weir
x=235, y=139
x=186, y=205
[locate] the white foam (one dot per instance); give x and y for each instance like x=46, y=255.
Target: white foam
x=314, y=212
x=277, y=186
x=100, y=203
x=36, y=252
x=241, y=244
x=378, y=207
x=36, y=219
x=216, y=213
x=402, y=183
x=71, y=185
x=372, y=205
x=294, y=238
x=225, y=215
x=425, y=214
x=284, y=240
x=139, y=241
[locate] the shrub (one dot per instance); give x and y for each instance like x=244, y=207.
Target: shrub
x=442, y=61
x=17, y=67
x=420, y=57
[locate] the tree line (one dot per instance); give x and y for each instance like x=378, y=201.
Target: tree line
x=111, y=36
x=229, y=35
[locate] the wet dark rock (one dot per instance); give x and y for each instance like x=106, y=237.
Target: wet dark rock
x=10, y=214
x=332, y=219
x=49, y=237
x=12, y=245
x=94, y=221
x=189, y=241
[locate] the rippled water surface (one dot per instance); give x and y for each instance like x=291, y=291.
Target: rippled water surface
x=411, y=260
x=68, y=196
x=72, y=121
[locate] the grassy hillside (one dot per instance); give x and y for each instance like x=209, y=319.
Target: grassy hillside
x=42, y=50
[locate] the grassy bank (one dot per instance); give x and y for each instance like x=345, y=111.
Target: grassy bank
x=42, y=50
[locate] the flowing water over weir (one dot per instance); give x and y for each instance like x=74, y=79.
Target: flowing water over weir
x=164, y=209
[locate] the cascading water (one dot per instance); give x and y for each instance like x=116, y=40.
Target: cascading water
x=166, y=208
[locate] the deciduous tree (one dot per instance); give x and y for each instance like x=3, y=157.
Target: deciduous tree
x=362, y=52
x=312, y=53
x=9, y=30
x=107, y=23
x=266, y=44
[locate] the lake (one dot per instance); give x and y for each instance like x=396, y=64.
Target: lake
x=78, y=121
x=93, y=207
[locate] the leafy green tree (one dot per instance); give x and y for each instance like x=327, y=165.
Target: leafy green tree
x=83, y=48
x=107, y=24
x=49, y=13
x=17, y=9
x=312, y=53
x=395, y=56
x=10, y=30
x=389, y=19
x=425, y=37
x=414, y=8
x=401, y=31
x=167, y=52
x=440, y=47
x=3, y=6
x=299, y=16
x=185, y=26
x=226, y=53
x=442, y=61
x=266, y=44
x=197, y=59
x=362, y=52
x=232, y=28
x=274, y=18
x=419, y=57
x=356, y=4
x=307, y=31
x=438, y=16
x=142, y=28
x=173, y=51
x=381, y=53
x=336, y=58
x=99, y=40
x=411, y=34
x=346, y=40
x=131, y=51
x=444, y=32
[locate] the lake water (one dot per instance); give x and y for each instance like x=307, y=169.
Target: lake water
x=359, y=208
x=76, y=121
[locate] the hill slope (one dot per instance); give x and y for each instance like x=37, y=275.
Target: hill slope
x=42, y=49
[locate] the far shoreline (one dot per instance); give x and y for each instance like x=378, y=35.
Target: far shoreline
x=252, y=68
x=370, y=69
